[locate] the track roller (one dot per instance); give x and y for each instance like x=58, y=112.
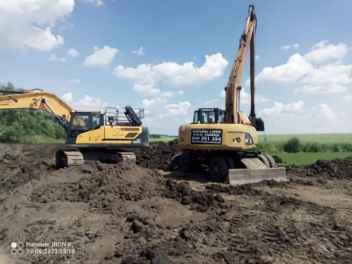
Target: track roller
x=127, y=156
x=67, y=158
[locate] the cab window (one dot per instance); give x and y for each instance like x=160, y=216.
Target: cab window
x=209, y=116
x=96, y=121
x=81, y=121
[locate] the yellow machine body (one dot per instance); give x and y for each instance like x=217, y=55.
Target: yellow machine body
x=233, y=137
x=110, y=135
x=34, y=100
x=97, y=135
x=223, y=142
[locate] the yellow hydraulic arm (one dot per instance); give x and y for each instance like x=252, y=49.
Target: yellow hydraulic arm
x=233, y=88
x=38, y=100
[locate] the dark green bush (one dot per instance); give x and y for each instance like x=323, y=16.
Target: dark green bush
x=293, y=145
x=312, y=147
x=22, y=126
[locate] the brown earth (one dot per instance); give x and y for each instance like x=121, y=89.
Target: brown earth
x=125, y=213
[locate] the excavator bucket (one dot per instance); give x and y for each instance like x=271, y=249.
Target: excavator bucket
x=256, y=171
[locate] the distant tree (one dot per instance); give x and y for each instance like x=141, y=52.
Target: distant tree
x=8, y=87
x=292, y=146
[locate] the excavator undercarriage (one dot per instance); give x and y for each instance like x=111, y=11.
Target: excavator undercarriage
x=235, y=168
x=77, y=155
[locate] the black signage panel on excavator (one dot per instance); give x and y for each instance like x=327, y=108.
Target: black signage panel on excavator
x=206, y=136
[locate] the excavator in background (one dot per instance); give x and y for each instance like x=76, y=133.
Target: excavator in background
x=108, y=136
x=224, y=141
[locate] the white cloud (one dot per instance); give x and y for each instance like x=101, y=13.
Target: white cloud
x=164, y=114
x=321, y=72
x=148, y=78
x=294, y=46
x=324, y=52
x=295, y=68
x=327, y=111
x=42, y=39
x=308, y=74
x=30, y=23
x=328, y=79
x=73, y=53
x=280, y=108
x=67, y=97
x=53, y=57
x=320, y=118
x=139, y=51
x=85, y=103
x=245, y=99
x=181, y=108
x=348, y=98
x=95, y=2
x=101, y=57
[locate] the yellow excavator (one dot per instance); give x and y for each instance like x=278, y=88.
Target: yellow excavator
x=109, y=136
x=223, y=142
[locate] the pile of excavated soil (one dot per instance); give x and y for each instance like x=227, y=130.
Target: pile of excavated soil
x=124, y=213
x=327, y=168
x=158, y=156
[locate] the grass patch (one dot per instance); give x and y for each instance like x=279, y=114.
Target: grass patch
x=307, y=138
x=305, y=158
x=161, y=138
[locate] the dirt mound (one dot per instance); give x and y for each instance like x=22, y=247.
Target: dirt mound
x=341, y=169
x=124, y=213
x=158, y=156
x=198, y=200
x=100, y=185
x=19, y=164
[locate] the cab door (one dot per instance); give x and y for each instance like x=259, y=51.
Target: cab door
x=112, y=131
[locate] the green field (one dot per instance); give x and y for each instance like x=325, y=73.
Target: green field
x=161, y=138
x=305, y=158
x=327, y=146
x=308, y=138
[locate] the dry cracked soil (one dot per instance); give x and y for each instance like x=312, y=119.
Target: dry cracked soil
x=127, y=213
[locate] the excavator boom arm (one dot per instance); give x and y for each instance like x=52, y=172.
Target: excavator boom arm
x=233, y=88
x=37, y=100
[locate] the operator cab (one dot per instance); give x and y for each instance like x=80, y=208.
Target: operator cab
x=82, y=121
x=85, y=121
x=112, y=116
x=217, y=115
x=208, y=116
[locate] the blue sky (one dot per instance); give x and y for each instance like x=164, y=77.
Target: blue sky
x=151, y=54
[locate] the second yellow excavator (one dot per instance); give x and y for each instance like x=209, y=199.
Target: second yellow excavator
x=224, y=141
x=110, y=136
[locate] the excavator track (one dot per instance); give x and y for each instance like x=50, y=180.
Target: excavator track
x=230, y=167
x=68, y=158
x=128, y=157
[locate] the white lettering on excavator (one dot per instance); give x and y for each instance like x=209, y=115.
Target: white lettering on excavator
x=206, y=136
